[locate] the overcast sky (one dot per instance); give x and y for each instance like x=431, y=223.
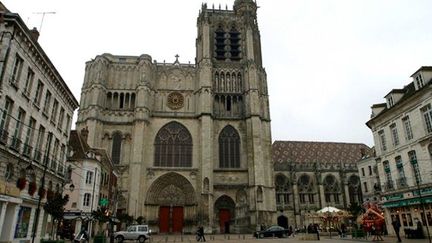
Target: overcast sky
x=327, y=61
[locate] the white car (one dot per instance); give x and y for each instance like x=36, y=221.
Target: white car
x=134, y=232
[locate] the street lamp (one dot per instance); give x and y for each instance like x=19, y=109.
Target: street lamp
x=423, y=207
x=46, y=160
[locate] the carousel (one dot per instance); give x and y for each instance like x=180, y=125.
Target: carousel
x=333, y=219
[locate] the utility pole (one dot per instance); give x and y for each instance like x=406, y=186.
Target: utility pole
x=43, y=16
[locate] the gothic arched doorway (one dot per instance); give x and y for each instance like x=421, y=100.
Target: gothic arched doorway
x=282, y=221
x=172, y=200
x=224, y=210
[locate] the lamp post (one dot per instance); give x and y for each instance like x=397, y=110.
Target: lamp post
x=423, y=207
x=46, y=160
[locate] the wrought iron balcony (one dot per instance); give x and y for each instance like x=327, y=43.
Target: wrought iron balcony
x=37, y=156
x=27, y=150
x=3, y=136
x=389, y=186
x=53, y=165
x=402, y=183
x=16, y=144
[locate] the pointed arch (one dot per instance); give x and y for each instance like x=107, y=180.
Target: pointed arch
x=283, y=190
x=354, y=189
x=229, y=148
x=331, y=188
x=116, y=147
x=171, y=189
x=173, y=146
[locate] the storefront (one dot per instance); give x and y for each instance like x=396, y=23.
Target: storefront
x=9, y=206
x=408, y=211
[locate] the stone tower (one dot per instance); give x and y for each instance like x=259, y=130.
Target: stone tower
x=192, y=141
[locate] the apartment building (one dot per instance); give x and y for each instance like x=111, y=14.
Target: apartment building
x=402, y=131
x=36, y=108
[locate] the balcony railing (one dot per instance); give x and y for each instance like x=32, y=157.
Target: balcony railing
x=27, y=150
x=389, y=186
x=16, y=144
x=37, y=156
x=3, y=136
x=53, y=165
x=401, y=183
x=60, y=170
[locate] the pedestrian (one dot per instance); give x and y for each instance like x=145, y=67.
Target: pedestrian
x=396, y=226
x=200, y=234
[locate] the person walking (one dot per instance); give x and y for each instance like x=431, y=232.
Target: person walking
x=396, y=226
x=200, y=234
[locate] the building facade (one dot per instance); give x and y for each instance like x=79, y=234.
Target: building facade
x=402, y=131
x=192, y=141
x=36, y=108
x=94, y=181
x=313, y=175
x=369, y=179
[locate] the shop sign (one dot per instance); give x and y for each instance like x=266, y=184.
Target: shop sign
x=9, y=189
x=423, y=191
x=395, y=197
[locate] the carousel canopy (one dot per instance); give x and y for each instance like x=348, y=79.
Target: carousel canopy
x=329, y=210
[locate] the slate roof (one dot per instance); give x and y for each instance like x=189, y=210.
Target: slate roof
x=78, y=145
x=80, y=148
x=321, y=152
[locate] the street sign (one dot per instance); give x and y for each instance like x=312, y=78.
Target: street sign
x=103, y=202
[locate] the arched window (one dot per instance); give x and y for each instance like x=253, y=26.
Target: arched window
x=229, y=148
x=173, y=146
x=354, y=189
x=331, y=188
x=306, y=190
x=116, y=148
x=283, y=190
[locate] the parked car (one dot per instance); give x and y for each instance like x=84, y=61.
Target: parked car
x=133, y=232
x=272, y=231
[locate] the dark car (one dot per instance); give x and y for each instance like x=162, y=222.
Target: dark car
x=272, y=231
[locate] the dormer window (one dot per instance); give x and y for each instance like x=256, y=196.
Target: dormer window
x=390, y=101
x=419, y=81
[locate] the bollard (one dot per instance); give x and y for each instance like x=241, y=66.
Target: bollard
x=243, y=237
x=228, y=237
x=166, y=238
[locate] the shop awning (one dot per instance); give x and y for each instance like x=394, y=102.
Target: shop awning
x=407, y=202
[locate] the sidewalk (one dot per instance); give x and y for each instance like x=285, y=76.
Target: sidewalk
x=249, y=238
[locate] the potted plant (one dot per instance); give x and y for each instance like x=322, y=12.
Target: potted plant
x=32, y=188
x=21, y=183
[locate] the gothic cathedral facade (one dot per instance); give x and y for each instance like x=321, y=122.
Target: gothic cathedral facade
x=192, y=142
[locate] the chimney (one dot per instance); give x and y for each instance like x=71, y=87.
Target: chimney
x=34, y=33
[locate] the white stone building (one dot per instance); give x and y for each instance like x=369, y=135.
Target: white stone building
x=36, y=108
x=94, y=180
x=369, y=178
x=402, y=131
x=192, y=141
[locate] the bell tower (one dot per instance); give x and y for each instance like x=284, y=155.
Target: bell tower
x=229, y=66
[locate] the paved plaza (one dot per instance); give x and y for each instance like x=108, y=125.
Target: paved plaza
x=248, y=238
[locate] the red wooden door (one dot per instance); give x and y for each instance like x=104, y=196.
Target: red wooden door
x=177, y=219
x=164, y=213
x=224, y=218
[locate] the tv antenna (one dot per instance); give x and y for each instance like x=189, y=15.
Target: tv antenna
x=43, y=16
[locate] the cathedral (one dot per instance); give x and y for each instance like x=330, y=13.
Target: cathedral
x=192, y=142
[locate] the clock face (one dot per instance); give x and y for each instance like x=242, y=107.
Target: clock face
x=175, y=100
